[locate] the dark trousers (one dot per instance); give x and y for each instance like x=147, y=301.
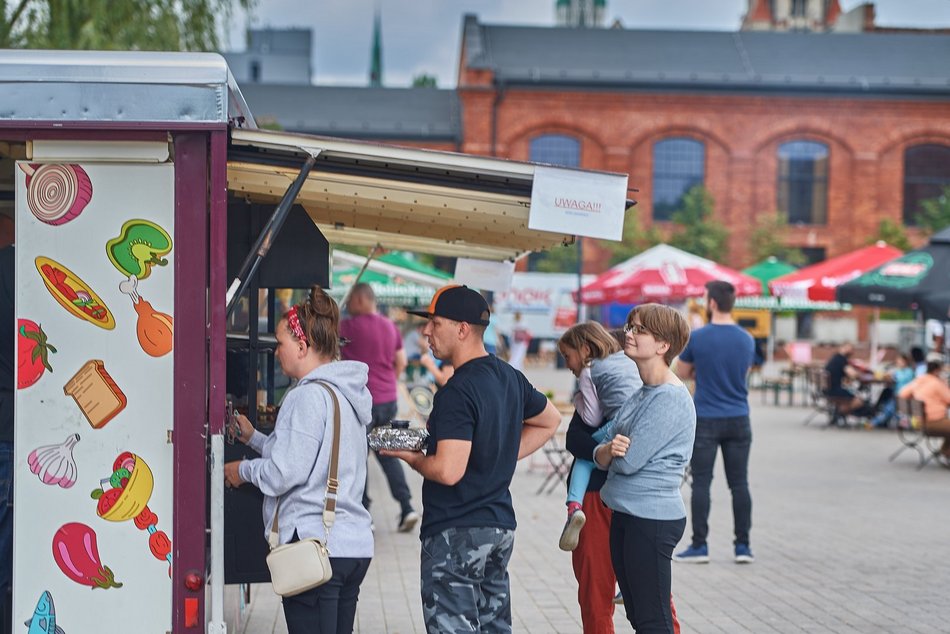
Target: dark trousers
x=641, y=551
x=6, y=533
x=734, y=436
x=392, y=467
x=330, y=608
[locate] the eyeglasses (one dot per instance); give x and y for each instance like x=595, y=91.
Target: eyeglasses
x=636, y=329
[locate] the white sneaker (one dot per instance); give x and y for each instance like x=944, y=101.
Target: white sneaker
x=408, y=521
x=572, y=530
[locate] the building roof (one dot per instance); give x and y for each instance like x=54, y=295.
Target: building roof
x=861, y=63
x=426, y=114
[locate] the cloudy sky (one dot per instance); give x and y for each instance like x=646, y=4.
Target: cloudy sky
x=422, y=36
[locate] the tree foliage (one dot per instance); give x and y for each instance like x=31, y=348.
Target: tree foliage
x=560, y=259
x=424, y=81
x=697, y=232
x=768, y=240
x=892, y=233
x=156, y=25
x=635, y=240
x=935, y=213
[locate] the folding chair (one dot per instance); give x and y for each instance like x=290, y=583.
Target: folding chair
x=560, y=459
x=910, y=416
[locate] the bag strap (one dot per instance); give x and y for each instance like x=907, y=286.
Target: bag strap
x=333, y=484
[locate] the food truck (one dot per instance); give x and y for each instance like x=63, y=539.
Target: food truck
x=149, y=211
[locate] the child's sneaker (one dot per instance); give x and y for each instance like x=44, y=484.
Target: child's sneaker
x=572, y=528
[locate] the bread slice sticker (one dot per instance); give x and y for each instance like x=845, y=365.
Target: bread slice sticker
x=73, y=294
x=97, y=395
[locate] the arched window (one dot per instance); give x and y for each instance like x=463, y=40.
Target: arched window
x=803, y=182
x=926, y=174
x=678, y=165
x=556, y=149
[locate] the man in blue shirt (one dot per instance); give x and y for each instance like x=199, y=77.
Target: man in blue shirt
x=718, y=356
x=485, y=418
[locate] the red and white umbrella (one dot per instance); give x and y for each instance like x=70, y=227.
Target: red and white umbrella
x=819, y=281
x=663, y=273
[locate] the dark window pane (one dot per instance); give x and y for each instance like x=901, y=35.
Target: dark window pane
x=678, y=165
x=556, y=149
x=813, y=255
x=926, y=173
x=803, y=182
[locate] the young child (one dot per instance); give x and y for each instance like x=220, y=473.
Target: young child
x=606, y=379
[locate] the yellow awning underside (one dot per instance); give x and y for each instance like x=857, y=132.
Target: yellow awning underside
x=364, y=194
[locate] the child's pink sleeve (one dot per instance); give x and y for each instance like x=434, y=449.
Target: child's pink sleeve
x=586, y=402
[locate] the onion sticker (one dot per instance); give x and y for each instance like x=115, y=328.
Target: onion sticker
x=56, y=193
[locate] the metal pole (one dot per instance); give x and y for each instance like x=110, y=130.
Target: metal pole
x=266, y=239
x=217, y=624
x=369, y=258
x=580, y=276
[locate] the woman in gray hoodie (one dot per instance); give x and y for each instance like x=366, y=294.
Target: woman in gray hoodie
x=295, y=461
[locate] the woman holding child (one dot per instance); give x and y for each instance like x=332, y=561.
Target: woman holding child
x=644, y=476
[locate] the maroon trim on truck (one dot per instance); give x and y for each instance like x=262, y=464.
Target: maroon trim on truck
x=190, y=364
x=218, y=279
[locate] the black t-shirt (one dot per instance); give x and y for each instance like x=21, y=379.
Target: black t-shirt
x=7, y=340
x=486, y=401
x=835, y=368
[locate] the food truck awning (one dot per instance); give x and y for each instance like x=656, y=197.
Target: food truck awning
x=367, y=194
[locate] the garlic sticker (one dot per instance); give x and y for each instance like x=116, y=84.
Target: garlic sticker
x=54, y=464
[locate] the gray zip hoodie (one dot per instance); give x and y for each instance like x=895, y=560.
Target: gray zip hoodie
x=286, y=469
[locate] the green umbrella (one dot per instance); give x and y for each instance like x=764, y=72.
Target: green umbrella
x=767, y=270
x=398, y=259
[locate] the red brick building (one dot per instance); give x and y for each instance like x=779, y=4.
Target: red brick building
x=837, y=130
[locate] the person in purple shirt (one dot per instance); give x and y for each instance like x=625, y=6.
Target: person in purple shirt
x=375, y=340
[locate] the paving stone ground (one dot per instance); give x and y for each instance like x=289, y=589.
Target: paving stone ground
x=845, y=542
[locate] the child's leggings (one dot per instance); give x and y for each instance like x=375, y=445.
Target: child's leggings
x=580, y=472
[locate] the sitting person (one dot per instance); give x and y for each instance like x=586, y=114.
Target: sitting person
x=933, y=391
x=839, y=369
x=900, y=376
x=919, y=361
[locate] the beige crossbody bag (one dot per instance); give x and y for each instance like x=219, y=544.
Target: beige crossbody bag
x=305, y=564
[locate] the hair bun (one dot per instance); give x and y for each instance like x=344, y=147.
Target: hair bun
x=323, y=305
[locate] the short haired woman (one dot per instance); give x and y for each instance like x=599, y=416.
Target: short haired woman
x=643, y=478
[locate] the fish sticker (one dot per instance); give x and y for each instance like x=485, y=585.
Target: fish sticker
x=44, y=617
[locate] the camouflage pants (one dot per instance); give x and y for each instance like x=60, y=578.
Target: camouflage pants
x=465, y=580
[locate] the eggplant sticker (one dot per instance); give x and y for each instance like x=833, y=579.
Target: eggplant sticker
x=76, y=552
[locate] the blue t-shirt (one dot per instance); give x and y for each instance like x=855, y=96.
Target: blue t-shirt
x=486, y=401
x=721, y=355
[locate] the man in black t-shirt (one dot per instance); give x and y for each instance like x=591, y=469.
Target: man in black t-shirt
x=485, y=418
x=839, y=369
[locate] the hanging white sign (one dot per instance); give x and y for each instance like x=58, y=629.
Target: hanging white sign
x=578, y=203
x=484, y=274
